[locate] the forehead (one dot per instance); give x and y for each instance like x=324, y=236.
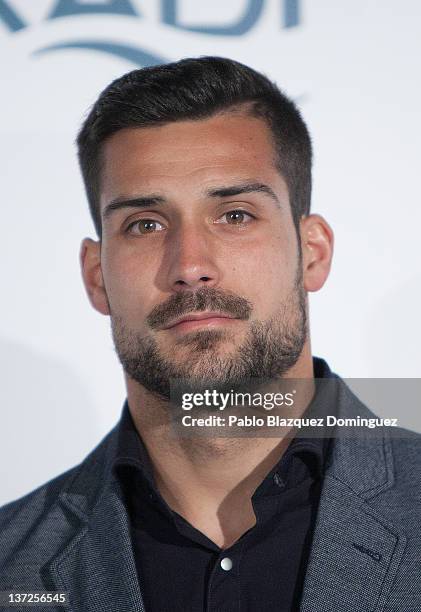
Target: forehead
x=188, y=154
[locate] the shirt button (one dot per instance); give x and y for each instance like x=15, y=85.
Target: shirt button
x=226, y=564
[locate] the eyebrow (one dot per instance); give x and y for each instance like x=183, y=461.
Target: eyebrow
x=138, y=202
x=218, y=192
x=227, y=192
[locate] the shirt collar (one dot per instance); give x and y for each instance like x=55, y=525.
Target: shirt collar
x=312, y=452
x=131, y=451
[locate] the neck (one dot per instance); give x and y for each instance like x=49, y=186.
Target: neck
x=210, y=480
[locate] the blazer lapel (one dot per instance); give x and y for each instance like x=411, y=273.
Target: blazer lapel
x=356, y=551
x=354, y=557
x=97, y=566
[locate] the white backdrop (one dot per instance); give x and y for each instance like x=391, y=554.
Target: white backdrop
x=352, y=65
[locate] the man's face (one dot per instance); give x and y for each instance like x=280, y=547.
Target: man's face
x=200, y=259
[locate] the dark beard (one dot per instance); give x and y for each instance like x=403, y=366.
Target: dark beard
x=270, y=349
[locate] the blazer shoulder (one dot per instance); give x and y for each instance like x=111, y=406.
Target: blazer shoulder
x=27, y=510
x=406, y=446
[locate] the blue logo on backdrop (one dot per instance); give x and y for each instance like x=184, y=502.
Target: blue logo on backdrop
x=169, y=15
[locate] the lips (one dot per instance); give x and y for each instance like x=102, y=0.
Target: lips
x=198, y=316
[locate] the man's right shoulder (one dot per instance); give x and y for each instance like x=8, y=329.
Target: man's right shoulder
x=38, y=500
x=18, y=518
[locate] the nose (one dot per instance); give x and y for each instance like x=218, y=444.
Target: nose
x=192, y=260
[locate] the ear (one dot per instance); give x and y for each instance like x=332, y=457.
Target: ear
x=317, y=249
x=90, y=263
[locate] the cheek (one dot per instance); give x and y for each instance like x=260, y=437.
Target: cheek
x=129, y=281
x=267, y=270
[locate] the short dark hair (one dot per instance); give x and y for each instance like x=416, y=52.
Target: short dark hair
x=193, y=89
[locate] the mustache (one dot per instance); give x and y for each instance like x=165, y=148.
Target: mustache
x=205, y=298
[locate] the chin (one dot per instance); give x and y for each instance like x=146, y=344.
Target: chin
x=205, y=340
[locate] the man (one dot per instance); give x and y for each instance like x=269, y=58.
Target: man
x=198, y=177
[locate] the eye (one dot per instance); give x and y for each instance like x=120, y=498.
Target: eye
x=144, y=226
x=235, y=217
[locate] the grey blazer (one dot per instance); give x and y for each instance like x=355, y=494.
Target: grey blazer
x=72, y=534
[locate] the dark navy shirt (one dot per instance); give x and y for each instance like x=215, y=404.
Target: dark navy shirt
x=181, y=570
